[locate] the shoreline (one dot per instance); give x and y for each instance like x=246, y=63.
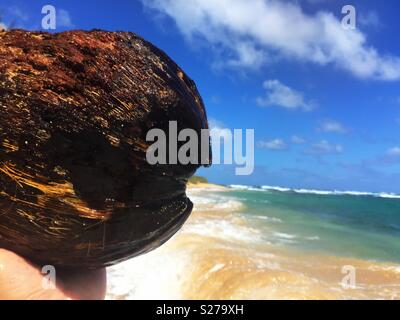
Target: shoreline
x=218, y=254
x=207, y=186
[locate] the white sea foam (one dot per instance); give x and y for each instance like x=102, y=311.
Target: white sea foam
x=395, y=269
x=226, y=204
x=266, y=218
x=312, y=191
x=354, y=193
x=284, y=235
x=239, y=186
x=205, y=201
x=242, y=187
x=276, y=188
x=316, y=191
x=137, y=278
x=389, y=195
x=280, y=238
x=349, y=193
x=226, y=229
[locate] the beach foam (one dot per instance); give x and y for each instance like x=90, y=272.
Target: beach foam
x=157, y=275
x=315, y=191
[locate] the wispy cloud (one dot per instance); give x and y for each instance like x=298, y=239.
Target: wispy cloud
x=332, y=126
x=253, y=30
x=298, y=140
x=64, y=19
x=278, y=94
x=324, y=147
x=275, y=144
x=394, y=152
x=219, y=132
x=216, y=124
x=389, y=158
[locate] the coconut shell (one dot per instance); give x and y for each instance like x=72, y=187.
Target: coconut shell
x=75, y=107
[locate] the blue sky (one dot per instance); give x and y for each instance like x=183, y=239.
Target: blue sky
x=323, y=100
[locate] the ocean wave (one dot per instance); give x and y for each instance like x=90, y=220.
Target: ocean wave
x=228, y=230
x=228, y=205
x=349, y=193
x=243, y=187
x=389, y=195
x=276, y=188
x=284, y=235
x=316, y=191
x=207, y=201
x=266, y=218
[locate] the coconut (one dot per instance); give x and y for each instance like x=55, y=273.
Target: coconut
x=75, y=108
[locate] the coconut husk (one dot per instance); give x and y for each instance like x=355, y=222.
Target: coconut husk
x=75, y=108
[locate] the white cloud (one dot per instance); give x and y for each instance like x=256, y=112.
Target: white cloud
x=325, y=147
x=3, y=27
x=281, y=95
x=276, y=144
x=298, y=140
x=252, y=30
x=332, y=126
x=64, y=19
x=394, y=152
x=219, y=132
x=216, y=124
x=250, y=57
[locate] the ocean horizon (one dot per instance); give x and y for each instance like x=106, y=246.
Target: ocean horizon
x=381, y=194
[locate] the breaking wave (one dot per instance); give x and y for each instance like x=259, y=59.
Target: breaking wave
x=316, y=191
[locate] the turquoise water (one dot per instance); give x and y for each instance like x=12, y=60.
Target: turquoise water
x=358, y=226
